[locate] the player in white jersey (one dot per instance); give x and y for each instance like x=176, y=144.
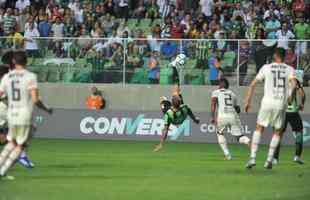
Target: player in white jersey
x=225, y=114
x=279, y=81
x=7, y=60
x=20, y=86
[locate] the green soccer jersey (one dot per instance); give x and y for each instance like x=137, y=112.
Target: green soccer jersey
x=302, y=31
x=176, y=118
x=293, y=106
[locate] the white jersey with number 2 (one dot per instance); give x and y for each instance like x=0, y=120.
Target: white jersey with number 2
x=17, y=85
x=227, y=101
x=276, y=79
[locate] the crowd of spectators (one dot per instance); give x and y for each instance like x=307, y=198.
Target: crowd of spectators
x=24, y=20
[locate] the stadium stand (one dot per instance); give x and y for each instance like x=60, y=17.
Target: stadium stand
x=107, y=42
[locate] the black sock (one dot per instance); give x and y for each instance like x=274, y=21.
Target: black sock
x=299, y=143
x=277, y=152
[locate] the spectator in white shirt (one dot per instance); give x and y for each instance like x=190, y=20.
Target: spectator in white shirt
x=79, y=15
x=31, y=45
x=58, y=33
x=58, y=28
x=22, y=4
x=284, y=35
x=30, y=21
x=74, y=5
x=206, y=8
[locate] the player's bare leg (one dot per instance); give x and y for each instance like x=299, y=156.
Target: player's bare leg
x=8, y=148
x=162, y=139
x=223, y=144
x=272, y=148
x=254, y=145
x=11, y=158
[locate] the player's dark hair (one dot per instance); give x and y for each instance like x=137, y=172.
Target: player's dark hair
x=176, y=102
x=280, y=53
x=224, y=83
x=7, y=58
x=20, y=57
x=3, y=70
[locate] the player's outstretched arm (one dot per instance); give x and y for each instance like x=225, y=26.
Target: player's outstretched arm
x=302, y=95
x=192, y=116
x=163, y=138
x=213, y=109
x=248, y=98
x=37, y=101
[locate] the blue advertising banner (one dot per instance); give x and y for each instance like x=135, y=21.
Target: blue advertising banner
x=132, y=125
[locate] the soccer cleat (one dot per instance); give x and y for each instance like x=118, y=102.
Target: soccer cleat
x=251, y=163
x=268, y=165
x=227, y=157
x=7, y=178
x=298, y=160
x=275, y=161
x=24, y=161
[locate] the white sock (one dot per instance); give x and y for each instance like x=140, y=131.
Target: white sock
x=273, y=145
x=23, y=154
x=14, y=155
x=244, y=140
x=6, y=152
x=223, y=144
x=255, y=142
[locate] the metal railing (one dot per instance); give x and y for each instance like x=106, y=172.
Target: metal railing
x=146, y=60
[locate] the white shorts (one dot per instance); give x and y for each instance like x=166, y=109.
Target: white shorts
x=233, y=123
x=19, y=117
x=19, y=133
x=272, y=117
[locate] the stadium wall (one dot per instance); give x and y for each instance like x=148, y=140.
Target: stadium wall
x=133, y=114
x=137, y=97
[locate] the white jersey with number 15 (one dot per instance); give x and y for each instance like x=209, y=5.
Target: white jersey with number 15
x=17, y=85
x=276, y=79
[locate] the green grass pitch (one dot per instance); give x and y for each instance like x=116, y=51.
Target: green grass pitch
x=123, y=170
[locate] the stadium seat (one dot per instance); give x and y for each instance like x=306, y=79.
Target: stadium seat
x=166, y=76
x=68, y=75
x=83, y=76
x=53, y=74
x=42, y=73
x=80, y=62
x=228, y=63
x=164, y=63
x=195, y=76
x=137, y=76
